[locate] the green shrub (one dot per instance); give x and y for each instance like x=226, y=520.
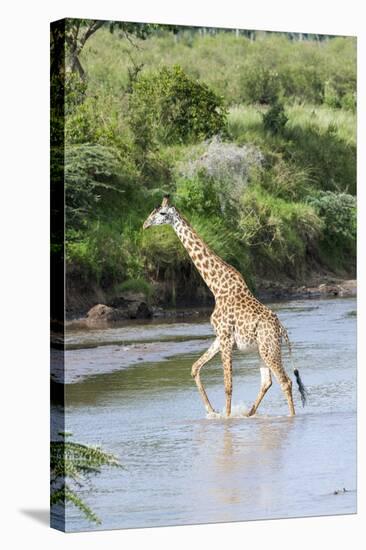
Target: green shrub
x=275, y=119
x=198, y=194
x=99, y=119
x=338, y=211
x=168, y=106
x=340, y=93
x=97, y=256
x=136, y=285
x=93, y=173
x=332, y=160
x=303, y=81
x=215, y=181
x=106, y=252
x=75, y=92
x=284, y=179
x=279, y=234
x=260, y=84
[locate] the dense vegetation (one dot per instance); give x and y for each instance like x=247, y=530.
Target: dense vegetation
x=254, y=140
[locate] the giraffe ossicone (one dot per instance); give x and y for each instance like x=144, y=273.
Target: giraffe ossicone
x=238, y=317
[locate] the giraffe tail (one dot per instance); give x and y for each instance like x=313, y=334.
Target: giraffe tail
x=300, y=385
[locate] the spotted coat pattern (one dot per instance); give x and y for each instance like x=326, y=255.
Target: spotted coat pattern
x=238, y=317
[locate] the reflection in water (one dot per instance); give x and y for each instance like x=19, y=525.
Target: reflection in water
x=247, y=449
x=182, y=468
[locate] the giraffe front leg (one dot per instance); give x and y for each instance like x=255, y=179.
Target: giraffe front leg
x=205, y=399
x=228, y=376
x=226, y=353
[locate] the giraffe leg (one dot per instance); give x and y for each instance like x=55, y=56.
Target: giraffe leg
x=285, y=383
x=266, y=383
x=271, y=355
x=226, y=345
x=212, y=350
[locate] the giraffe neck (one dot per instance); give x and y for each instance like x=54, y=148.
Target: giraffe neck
x=220, y=277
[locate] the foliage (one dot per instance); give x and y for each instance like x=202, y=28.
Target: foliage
x=226, y=162
x=244, y=134
x=215, y=181
x=332, y=160
x=278, y=233
x=338, y=211
x=136, y=285
x=225, y=62
x=275, y=119
x=260, y=84
x=78, y=31
x=198, y=194
x=168, y=106
x=318, y=145
x=105, y=253
x=93, y=173
x=71, y=465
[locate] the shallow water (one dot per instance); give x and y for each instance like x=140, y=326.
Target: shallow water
x=130, y=391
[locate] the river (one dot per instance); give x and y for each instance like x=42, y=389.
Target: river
x=129, y=390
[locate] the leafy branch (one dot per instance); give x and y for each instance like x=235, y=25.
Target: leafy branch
x=71, y=464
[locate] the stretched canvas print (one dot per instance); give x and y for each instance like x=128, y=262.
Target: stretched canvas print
x=203, y=258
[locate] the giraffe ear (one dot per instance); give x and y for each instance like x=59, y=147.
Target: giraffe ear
x=165, y=200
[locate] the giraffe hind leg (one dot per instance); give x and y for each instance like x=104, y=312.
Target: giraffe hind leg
x=271, y=355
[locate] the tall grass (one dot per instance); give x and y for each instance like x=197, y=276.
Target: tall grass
x=317, y=140
x=246, y=119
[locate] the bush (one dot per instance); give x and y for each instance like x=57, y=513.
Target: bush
x=226, y=161
x=331, y=159
x=340, y=93
x=91, y=173
x=75, y=92
x=223, y=169
x=338, y=211
x=260, y=84
x=284, y=179
x=99, y=120
x=136, y=285
x=168, y=106
x=275, y=119
x=198, y=194
x=303, y=81
x=279, y=234
x=106, y=252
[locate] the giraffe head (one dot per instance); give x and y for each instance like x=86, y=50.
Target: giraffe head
x=163, y=214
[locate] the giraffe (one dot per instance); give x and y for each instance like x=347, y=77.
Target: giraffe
x=238, y=317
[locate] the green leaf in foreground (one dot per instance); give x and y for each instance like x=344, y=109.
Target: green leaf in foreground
x=75, y=462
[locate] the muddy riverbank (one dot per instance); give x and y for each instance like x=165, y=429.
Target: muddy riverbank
x=104, y=310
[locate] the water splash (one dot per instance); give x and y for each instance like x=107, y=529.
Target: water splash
x=237, y=411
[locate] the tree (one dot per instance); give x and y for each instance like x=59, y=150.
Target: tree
x=78, y=31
